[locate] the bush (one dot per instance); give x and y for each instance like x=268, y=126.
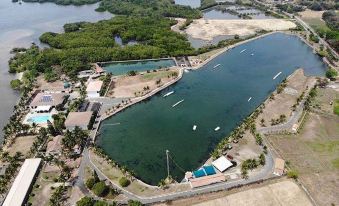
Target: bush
x=90, y=183
x=124, y=182
x=85, y=201
x=134, y=203
x=15, y=84
x=100, y=189
x=292, y=174
x=331, y=73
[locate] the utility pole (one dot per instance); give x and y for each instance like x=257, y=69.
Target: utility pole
x=167, y=153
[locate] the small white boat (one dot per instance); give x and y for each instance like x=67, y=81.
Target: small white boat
x=169, y=93
x=242, y=51
x=252, y=54
x=216, y=66
x=217, y=128
x=186, y=71
x=249, y=99
x=176, y=104
x=194, y=127
x=277, y=75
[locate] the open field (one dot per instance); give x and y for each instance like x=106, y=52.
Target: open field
x=273, y=192
x=314, y=151
x=313, y=18
x=139, y=85
x=21, y=144
x=208, y=29
x=297, y=83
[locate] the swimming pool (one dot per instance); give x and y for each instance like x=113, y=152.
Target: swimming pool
x=120, y=68
x=39, y=119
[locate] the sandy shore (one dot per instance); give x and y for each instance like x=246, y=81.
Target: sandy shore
x=208, y=29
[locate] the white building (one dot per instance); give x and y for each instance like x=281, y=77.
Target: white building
x=94, y=88
x=23, y=182
x=222, y=163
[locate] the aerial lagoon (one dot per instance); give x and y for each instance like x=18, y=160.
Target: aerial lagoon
x=213, y=97
x=120, y=68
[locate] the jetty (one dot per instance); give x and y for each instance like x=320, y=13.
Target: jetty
x=169, y=93
x=176, y=104
x=242, y=51
x=277, y=75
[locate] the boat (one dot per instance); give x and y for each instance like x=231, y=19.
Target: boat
x=252, y=54
x=277, y=75
x=169, y=93
x=194, y=127
x=174, y=105
x=249, y=99
x=242, y=51
x=216, y=66
x=186, y=70
x=217, y=128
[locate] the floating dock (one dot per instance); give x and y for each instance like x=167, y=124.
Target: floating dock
x=216, y=66
x=277, y=75
x=176, y=104
x=167, y=94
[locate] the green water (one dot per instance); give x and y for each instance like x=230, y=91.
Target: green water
x=213, y=97
x=120, y=68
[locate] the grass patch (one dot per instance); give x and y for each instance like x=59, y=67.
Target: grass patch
x=335, y=163
x=336, y=107
x=157, y=75
x=328, y=147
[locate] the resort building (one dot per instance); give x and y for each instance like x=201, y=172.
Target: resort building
x=94, y=88
x=54, y=146
x=23, y=182
x=222, y=163
x=207, y=180
x=43, y=102
x=279, y=167
x=78, y=119
x=57, y=87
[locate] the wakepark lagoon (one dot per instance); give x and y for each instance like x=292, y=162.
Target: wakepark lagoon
x=213, y=98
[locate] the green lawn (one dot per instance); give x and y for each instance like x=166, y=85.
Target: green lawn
x=336, y=107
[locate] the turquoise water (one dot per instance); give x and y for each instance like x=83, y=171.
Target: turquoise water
x=40, y=119
x=213, y=97
x=124, y=67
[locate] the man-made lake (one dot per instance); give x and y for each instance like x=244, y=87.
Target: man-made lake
x=214, y=13
x=20, y=25
x=212, y=98
x=191, y=3
x=119, y=68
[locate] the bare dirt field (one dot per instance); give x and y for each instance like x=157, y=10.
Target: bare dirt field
x=141, y=84
x=313, y=18
x=208, y=29
x=283, y=102
x=21, y=144
x=273, y=192
x=314, y=152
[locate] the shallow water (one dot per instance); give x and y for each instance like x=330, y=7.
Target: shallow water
x=191, y=3
x=212, y=97
x=20, y=25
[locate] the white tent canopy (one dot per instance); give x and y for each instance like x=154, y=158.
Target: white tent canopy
x=43, y=108
x=222, y=163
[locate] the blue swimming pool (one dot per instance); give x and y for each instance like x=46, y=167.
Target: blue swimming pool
x=40, y=119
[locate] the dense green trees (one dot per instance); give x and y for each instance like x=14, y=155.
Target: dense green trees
x=76, y=49
x=66, y=2
x=165, y=8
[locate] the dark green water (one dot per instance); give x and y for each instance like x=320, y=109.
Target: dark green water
x=213, y=97
x=124, y=67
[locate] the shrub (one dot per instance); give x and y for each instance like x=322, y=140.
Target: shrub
x=124, y=182
x=90, y=183
x=85, y=201
x=331, y=73
x=134, y=203
x=292, y=174
x=100, y=189
x=15, y=84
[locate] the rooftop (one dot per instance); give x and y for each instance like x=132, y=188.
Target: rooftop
x=222, y=163
x=78, y=119
x=207, y=180
x=43, y=99
x=94, y=86
x=279, y=166
x=22, y=182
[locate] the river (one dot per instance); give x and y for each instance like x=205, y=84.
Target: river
x=22, y=24
x=212, y=98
